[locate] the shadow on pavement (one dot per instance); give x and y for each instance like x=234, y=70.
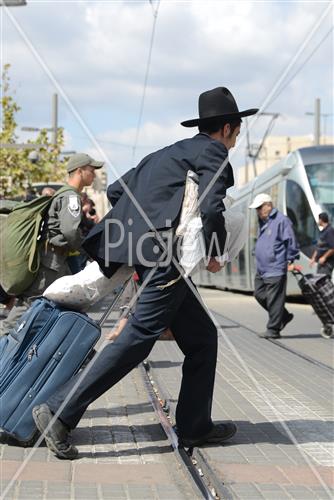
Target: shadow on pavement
x=102, y=434
x=301, y=336
x=165, y=364
x=305, y=431
x=148, y=450
x=131, y=409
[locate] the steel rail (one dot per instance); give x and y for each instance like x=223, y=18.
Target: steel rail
x=195, y=464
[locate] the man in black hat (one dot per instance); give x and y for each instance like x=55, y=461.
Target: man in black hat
x=146, y=207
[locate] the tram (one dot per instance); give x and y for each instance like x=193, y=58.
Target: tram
x=301, y=186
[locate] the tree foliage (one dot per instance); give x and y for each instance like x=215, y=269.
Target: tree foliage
x=17, y=172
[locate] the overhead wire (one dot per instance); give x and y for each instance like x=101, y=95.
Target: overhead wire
x=284, y=84
x=155, y=11
x=280, y=90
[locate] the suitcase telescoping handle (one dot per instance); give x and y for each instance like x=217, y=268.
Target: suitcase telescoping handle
x=297, y=273
x=113, y=302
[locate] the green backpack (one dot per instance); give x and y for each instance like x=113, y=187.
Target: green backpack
x=20, y=236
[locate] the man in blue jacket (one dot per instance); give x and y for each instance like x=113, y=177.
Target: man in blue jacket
x=275, y=250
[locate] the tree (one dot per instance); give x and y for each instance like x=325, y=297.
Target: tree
x=17, y=171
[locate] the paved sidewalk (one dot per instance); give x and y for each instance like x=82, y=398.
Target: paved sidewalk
x=283, y=406
x=124, y=454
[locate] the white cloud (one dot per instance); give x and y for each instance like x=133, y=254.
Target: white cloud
x=98, y=53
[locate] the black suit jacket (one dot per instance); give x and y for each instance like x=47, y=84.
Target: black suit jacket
x=157, y=184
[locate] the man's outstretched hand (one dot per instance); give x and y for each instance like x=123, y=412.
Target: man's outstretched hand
x=213, y=266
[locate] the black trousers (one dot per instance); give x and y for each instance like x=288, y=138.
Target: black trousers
x=176, y=307
x=270, y=294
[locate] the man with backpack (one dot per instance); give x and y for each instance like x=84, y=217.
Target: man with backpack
x=60, y=234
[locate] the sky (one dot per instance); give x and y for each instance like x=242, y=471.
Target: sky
x=94, y=55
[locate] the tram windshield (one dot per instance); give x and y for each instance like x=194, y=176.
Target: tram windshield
x=321, y=179
x=300, y=214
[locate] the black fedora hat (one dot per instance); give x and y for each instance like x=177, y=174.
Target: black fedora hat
x=217, y=103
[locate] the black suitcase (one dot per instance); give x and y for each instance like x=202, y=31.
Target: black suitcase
x=318, y=290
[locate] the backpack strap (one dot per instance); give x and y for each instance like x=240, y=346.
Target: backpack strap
x=33, y=251
x=34, y=260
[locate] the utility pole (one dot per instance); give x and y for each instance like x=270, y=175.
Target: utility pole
x=54, y=125
x=317, y=122
x=254, y=150
x=317, y=116
x=54, y=119
x=247, y=153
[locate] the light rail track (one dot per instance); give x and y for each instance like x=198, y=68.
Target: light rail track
x=193, y=460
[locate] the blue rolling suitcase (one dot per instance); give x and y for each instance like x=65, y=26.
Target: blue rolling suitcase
x=45, y=349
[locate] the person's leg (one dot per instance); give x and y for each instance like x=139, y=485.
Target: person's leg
x=276, y=293
x=196, y=335
x=260, y=291
x=155, y=310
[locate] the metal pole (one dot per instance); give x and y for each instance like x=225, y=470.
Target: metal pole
x=247, y=153
x=54, y=124
x=317, y=122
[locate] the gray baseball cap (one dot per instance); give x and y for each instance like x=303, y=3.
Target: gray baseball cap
x=82, y=160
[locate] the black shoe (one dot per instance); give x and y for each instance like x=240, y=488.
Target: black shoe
x=286, y=320
x=55, y=435
x=269, y=335
x=218, y=434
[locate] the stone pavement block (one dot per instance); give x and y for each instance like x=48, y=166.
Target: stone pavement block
x=58, y=490
x=170, y=492
x=273, y=492
x=34, y=471
x=321, y=494
x=300, y=492
x=30, y=489
x=40, y=454
x=113, y=491
x=140, y=492
x=242, y=473
x=11, y=493
x=88, y=491
x=13, y=453
x=246, y=491
x=304, y=475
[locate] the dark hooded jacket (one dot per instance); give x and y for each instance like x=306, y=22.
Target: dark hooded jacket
x=157, y=185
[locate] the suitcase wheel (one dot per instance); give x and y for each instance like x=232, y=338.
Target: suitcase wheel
x=327, y=331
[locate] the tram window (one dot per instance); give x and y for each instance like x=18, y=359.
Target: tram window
x=321, y=179
x=300, y=214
